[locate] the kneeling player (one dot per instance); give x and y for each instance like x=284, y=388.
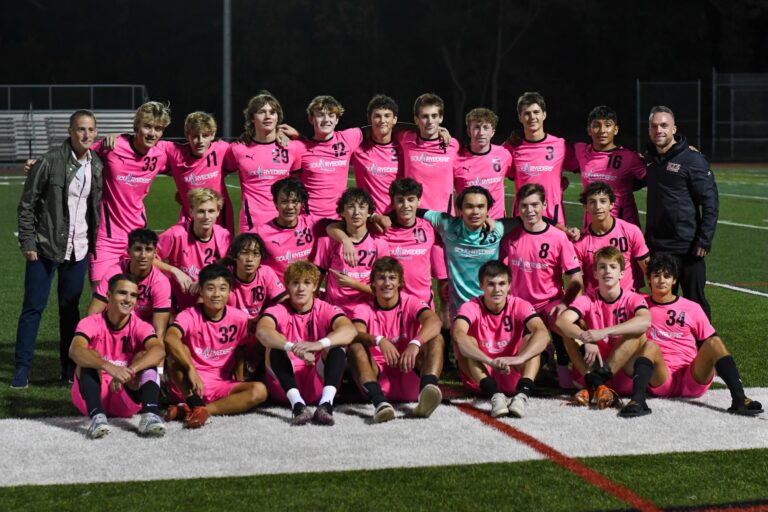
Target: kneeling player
x=117, y=356
x=616, y=321
x=494, y=351
x=397, y=334
x=202, y=344
x=304, y=337
x=670, y=361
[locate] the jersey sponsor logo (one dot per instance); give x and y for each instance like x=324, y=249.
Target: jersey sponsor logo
x=484, y=181
x=400, y=251
x=534, y=170
x=494, y=347
x=475, y=252
x=133, y=181
x=291, y=256
x=598, y=176
x=673, y=167
x=430, y=160
x=376, y=170
x=196, y=178
x=527, y=266
x=115, y=362
x=661, y=334
x=192, y=271
x=366, y=274
x=212, y=354
x=327, y=165
x=260, y=173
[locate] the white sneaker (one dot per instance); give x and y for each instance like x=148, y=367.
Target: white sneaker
x=98, y=427
x=384, y=412
x=499, y=405
x=151, y=425
x=429, y=398
x=517, y=405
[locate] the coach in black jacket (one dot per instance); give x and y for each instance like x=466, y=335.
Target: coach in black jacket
x=682, y=203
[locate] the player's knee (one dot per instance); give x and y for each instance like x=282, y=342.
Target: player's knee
x=436, y=344
x=717, y=346
x=258, y=393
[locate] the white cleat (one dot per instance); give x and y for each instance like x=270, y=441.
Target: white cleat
x=98, y=427
x=151, y=425
x=429, y=398
x=499, y=405
x=384, y=412
x=517, y=405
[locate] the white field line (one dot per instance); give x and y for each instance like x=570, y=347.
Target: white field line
x=740, y=196
x=264, y=443
x=737, y=289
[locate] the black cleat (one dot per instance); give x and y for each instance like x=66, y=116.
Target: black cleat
x=746, y=408
x=634, y=409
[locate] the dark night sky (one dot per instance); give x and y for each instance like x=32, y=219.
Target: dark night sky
x=578, y=53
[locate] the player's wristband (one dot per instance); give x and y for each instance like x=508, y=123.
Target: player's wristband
x=378, y=340
x=415, y=341
x=288, y=346
x=324, y=342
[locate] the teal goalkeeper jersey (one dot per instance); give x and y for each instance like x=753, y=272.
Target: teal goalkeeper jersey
x=465, y=252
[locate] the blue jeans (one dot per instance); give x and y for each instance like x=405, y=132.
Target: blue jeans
x=37, y=286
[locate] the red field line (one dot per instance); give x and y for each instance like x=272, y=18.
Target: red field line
x=590, y=476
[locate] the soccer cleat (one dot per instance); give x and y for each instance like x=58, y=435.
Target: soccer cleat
x=429, y=399
x=177, y=412
x=746, y=408
x=582, y=397
x=606, y=397
x=301, y=415
x=324, y=415
x=517, y=405
x=634, y=409
x=499, y=405
x=197, y=417
x=384, y=412
x=151, y=425
x=20, y=378
x=98, y=427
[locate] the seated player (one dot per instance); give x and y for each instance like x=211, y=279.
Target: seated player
x=604, y=229
x=153, y=304
x=683, y=350
x=482, y=162
x=304, y=337
x=603, y=160
x=539, y=256
x=185, y=248
x=117, y=356
x=202, y=345
x=347, y=285
x=398, y=335
x=498, y=338
x=615, y=321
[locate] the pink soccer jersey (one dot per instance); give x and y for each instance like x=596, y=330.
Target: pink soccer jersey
x=430, y=162
x=313, y=325
x=259, y=166
x=625, y=237
x=325, y=169
x=497, y=334
x=676, y=327
x=330, y=257
x=399, y=324
x=154, y=290
x=538, y=261
x=127, y=178
x=412, y=247
x=207, y=171
x=212, y=343
x=263, y=289
x=118, y=346
x=598, y=313
x=620, y=168
x=376, y=167
x=541, y=162
x=285, y=245
x=179, y=246
x=488, y=170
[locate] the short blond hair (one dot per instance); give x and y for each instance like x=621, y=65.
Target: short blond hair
x=198, y=196
x=201, y=122
x=153, y=111
x=320, y=103
x=300, y=270
x=482, y=115
x=610, y=253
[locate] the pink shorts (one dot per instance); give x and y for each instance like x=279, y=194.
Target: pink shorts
x=507, y=384
x=437, y=260
x=309, y=380
x=396, y=385
x=108, y=253
x=544, y=311
x=680, y=383
x=214, y=388
x=118, y=404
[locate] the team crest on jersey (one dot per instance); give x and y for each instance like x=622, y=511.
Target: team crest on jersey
x=673, y=167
